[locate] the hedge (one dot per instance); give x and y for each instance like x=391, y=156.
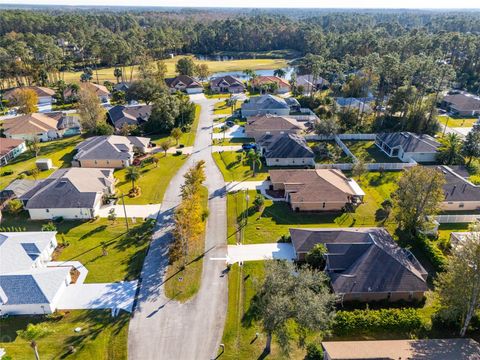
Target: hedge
x=432, y=252
x=382, y=320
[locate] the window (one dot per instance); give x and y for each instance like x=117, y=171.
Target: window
x=461, y=205
x=47, y=210
x=323, y=206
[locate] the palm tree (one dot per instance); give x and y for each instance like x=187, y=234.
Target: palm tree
x=117, y=73
x=132, y=175
x=32, y=333
x=279, y=72
x=255, y=160
x=450, y=150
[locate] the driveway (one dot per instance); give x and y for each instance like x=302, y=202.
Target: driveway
x=219, y=148
x=162, y=328
x=234, y=186
x=133, y=211
x=236, y=131
x=119, y=295
x=278, y=251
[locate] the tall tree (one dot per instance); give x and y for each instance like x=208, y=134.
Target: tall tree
x=26, y=100
x=291, y=294
x=419, y=194
x=91, y=111
x=459, y=286
x=255, y=160
x=202, y=71
x=185, y=66
x=176, y=133
x=471, y=146
x=132, y=175
x=32, y=333
x=450, y=151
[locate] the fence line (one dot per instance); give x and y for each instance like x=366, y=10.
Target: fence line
x=445, y=219
x=341, y=137
x=370, y=166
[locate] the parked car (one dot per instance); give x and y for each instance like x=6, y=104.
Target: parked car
x=250, y=146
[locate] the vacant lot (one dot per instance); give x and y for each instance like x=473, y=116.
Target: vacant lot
x=153, y=181
x=234, y=167
x=100, y=337
x=59, y=151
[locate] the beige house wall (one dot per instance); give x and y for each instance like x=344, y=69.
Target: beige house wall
x=112, y=164
x=317, y=206
x=457, y=205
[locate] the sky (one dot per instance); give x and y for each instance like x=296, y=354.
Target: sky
x=404, y=4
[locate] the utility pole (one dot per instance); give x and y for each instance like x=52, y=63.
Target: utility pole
x=125, y=212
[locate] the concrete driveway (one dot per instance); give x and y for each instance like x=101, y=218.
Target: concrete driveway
x=277, y=251
x=234, y=186
x=119, y=295
x=236, y=131
x=133, y=211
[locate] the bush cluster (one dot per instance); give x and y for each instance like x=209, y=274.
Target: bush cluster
x=382, y=320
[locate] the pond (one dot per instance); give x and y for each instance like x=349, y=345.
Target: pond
x=239, y=74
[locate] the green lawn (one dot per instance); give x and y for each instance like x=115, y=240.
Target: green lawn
x=101, y=337
x=457, y=122
x=153, y=181
x=105, y=74
x=371, y=153
x=277, y=217
x=182, y=284
x=221, y=107
x=60, y=151
x=125, y=251
x=187, y=139
x=232, y=141
x=234, y=169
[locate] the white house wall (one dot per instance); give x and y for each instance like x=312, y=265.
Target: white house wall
x=27, y=309
x=68, y=213
x=290, y=162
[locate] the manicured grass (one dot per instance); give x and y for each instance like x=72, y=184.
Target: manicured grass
x=182, y=284
x=221, y=107
x=153, y=181
x=277, y=217
x=59, y=151
x=234, y=169
x=125, y=251
x=457, y=122
x=370, y=151
x=214, y=66
x=101, y=337
x=232, y=141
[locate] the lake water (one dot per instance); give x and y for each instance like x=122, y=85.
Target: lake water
x=242, y=76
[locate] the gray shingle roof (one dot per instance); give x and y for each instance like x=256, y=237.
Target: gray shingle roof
x=458, y=188
x=363, y=260
x=108, y=147
x=285, y=146
x=22, y=289
x=227, y=80
x=463, y=101
x=410, y=142
x=130, y=115
x=265, y=102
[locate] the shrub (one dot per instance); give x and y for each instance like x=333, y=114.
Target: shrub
x=50, y=226
x=259, y=202
x=432, y=252
x=14, y=207
x=382, y=320
x=178, y=152
x=7, y=172
x=314, y=352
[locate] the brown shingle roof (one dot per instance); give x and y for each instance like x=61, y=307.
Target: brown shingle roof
x=261, y=80
x=29, y=124
x=428, y=349
x=272, y=123
x=7, y=145
x=41, y=91
x=313, y=185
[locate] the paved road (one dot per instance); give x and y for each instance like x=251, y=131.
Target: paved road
x=165, y=329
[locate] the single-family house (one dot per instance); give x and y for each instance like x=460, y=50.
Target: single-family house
x=101, y=91
x=44, y=126
x=227, y=84
x=184, y=83
x=73, y=193
x=268, y=124
x=461, y=103
x=285, y=150
x=316, y=189
x=27, y=127
x=407, y=146
x=122, y=86
x=120, y=115
x=460, y=193
x=109, y=151
x=456, y=238
x=422, y=349
x=10, y=149
x=261, y=83
x=364, y=264
x=44, y=94
x=353, y=104
x=310, y=83
x=28, y=286
x=265, y=104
